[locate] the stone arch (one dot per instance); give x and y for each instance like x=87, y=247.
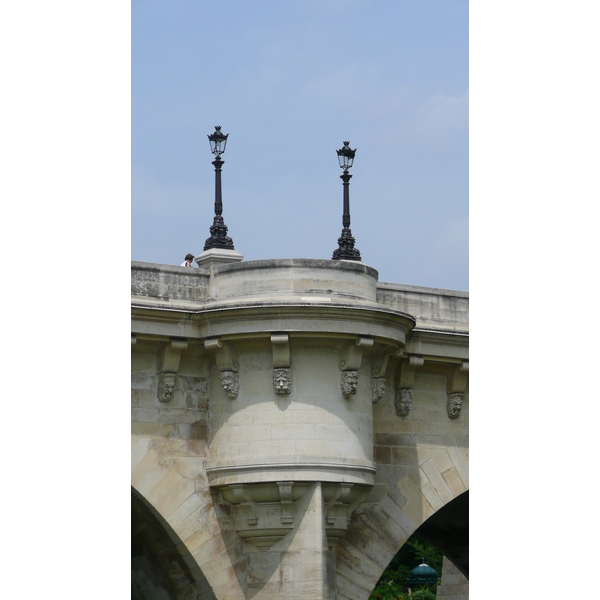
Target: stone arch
x=448, y=531
x=397, y=508
x=171, y=485
x=161, y=568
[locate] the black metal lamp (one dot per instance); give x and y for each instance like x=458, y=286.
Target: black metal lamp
x=346, y=249
x=346, y=156
x=218, y=141
x=218, y=231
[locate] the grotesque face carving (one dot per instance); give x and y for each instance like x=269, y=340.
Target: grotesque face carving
x=166, y=384
x=231, y=383
x=282, y=379
x=349, y=383
x=377, y=389
x=454, y=404
x=403, y=401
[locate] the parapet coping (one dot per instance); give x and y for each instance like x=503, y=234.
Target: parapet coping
x=418, y=289
x=147, y=266
x=345, y=265
x=270, y=263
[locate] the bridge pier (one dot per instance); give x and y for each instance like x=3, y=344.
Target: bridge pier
x=265, y=416
x=304, y=567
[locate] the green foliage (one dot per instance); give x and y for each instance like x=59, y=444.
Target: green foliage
x=389, y=591
x=423, y=594
x=392, y=583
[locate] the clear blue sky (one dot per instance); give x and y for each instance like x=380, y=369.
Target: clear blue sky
x=290, y=81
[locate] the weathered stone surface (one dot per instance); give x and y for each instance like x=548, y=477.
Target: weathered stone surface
x=276, y=434
x=454, y=585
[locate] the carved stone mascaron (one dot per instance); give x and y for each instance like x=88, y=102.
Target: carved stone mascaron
x=282, y=380
x=403, y=402
x=454, y=404
x=166, y=385
x=231, y=383
x=349, y=383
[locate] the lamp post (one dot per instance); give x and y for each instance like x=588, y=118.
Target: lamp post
x=346, y=249
x=218, y=231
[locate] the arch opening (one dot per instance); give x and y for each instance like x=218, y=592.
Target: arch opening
x=448, y=531
x=161, y=568
x=444, y=534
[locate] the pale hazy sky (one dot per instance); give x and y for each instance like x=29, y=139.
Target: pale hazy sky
x=290, y=81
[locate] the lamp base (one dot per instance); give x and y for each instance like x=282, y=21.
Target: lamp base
x=346, y=249
x=216, y=257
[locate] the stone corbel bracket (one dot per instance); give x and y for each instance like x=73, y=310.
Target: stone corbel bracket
x=340, y=501
x=227, y=363
x=456, y=388
x=350, y=364
x=285, y=494
x=263, y=513
x=168, y=366
x=282, y=372
x=378, y=369
x=404, y=383
x=242, y=498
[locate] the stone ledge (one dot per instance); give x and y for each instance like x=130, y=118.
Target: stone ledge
x=292, y=468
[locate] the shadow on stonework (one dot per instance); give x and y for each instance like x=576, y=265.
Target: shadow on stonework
x=316, y=380
x=269, y=569
x=159, y=570
x=421, y=485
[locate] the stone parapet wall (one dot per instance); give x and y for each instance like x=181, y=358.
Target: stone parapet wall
x=165, y=282
x=432, y=307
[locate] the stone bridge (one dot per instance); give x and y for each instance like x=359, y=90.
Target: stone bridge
x=294, y=422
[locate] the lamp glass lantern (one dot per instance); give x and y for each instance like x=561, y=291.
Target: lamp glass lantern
x=218, y=141
x=346, y=156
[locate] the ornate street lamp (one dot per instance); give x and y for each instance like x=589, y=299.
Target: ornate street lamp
x=218, y=231
x=346, y=249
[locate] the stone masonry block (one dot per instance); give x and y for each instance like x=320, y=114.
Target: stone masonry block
x=353, y=563
x=206, y=543
x=150, y=430
x=382, y=455
x=143, y=381
x=198, y=519
x=453, y=481
x=263, y=567
x=347, y=588
x=459, y=463
x=441, y=459
x=432, y=497
x=169, y=480
x=144, y=415
x=150, y=459
x=172, y=500
x=139, y=449
x=147, y=398
x=151, y=479
x=437, y=481
x=399, y=516
x=195, y=401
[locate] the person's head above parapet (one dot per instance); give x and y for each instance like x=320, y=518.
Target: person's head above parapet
x=188, y=260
